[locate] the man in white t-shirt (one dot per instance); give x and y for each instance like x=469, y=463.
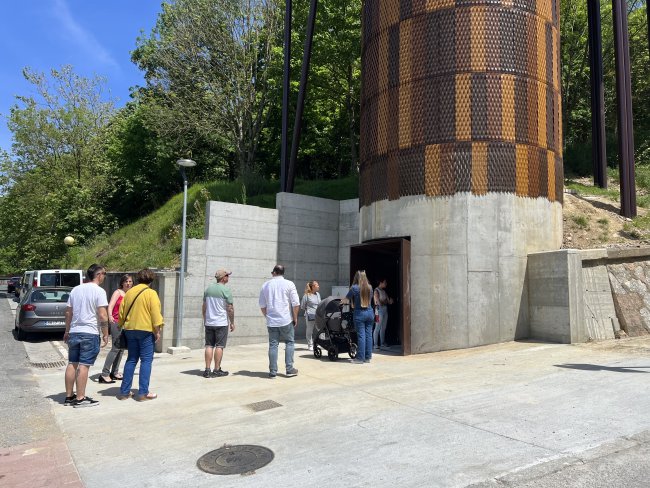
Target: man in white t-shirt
x=279, y=304
x=86, y=314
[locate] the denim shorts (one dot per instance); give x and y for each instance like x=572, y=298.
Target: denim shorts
x=83, y=348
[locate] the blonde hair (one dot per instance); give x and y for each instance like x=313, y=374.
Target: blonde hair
x=309, y=289
x=365, y=290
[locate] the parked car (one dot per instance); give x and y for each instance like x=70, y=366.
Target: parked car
x=50, y=277
x=12, y=284
x=41, y=309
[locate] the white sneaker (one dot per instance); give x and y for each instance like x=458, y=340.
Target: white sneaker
x=309, y=347
x=356, y=361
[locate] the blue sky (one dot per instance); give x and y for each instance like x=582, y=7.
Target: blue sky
x=95, y=37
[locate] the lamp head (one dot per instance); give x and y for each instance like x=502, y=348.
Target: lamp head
x=68, y=241
x=186, y=163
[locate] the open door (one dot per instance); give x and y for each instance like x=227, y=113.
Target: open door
x=390, y=259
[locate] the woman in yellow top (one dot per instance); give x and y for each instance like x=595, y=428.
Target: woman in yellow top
x=141, y=320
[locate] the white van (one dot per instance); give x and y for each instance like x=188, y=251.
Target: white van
x=50, y=277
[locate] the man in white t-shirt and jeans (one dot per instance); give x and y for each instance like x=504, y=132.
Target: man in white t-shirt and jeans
x=279, y=304
x=86, y=314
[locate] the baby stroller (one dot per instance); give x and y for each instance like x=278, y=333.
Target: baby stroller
x=333, y=330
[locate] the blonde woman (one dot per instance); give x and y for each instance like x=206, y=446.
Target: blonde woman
x=361, y=296
x=309, y=302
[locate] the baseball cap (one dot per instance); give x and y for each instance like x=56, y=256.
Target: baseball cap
x=221, y=273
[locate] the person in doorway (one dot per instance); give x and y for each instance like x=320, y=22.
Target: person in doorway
x=280, y=305
x=85, y=315
x=382, y=300
x=361, y=297
x=218, y=316
x=110, y=372
x=141, y=320
x=309, y=303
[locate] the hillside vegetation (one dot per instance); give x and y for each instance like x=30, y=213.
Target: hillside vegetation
x=155, y=240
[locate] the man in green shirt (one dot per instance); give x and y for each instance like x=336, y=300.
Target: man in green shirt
x=218, y=317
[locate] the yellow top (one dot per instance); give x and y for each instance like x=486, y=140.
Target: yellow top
x=145, y=313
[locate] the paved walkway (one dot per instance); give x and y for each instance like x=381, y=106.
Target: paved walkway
x=452, y=419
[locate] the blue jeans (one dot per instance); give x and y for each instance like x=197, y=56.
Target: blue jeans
x=363, y=326
x=277, y=335
x=140, y=345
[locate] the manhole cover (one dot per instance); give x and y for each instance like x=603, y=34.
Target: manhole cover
x=235, y=459
x=265, y=405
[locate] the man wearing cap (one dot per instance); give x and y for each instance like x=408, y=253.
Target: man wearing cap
x=218, y=316
x=279, y=304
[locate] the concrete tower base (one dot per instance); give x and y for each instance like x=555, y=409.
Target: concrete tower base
x=468, y=262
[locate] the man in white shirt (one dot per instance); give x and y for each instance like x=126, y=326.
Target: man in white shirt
x=87, y=312
x=279, y=304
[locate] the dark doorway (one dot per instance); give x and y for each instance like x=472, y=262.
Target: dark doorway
x=390, y=259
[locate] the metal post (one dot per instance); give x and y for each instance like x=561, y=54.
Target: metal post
x=624, y=109
x=297, y=125
x=284, y=160
x=178, y=331
x=598, y=149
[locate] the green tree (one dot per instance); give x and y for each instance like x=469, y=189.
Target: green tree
x=205, y=64
x=55, y=180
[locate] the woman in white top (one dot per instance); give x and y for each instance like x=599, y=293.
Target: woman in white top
x=309, y=302
x=382, y=300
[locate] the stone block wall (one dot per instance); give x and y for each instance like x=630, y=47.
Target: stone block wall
x=630, y=283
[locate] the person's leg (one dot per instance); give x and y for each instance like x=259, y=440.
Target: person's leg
x=368, y=348
x=209, y=354
x=361, y=338
x=288, y=337
x=108, y=364
x=116, y=363
x=274, y=336
x=88, y=351
x=383, y=321
x=147, y=342
x=218, y=354
x=70, y=377
x=375, y=335
x=133, y=349
x=309, y=332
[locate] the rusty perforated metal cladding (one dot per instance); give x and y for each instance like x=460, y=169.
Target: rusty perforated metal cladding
x=460, y=96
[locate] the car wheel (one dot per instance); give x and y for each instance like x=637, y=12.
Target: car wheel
x=21, y=334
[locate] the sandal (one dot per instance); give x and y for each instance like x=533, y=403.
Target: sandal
x=148, y=396
x=116, y=376
x=104, y=380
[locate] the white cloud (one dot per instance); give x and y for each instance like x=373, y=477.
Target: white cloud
x=80, y=36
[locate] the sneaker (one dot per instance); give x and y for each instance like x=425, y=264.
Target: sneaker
x=85, y=402
x=356, y=361
x=272, y=376
x=219, y=373
x=206, y=373
x=292, y=372
x=309, y=347
x=69, y=400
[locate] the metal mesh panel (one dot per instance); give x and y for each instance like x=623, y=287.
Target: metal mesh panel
x=460, y=96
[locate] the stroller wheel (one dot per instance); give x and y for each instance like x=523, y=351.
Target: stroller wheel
x=353, y=350
x=333, y=353
x=317, y=352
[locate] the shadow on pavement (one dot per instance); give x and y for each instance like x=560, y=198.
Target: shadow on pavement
x=252, y=374
x=193, y=372
x=597, y=367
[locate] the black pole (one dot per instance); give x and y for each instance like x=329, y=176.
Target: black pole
x=647, y=16
x=284, y=161
x=624, y=110
x=297, y=125
x=598, y=149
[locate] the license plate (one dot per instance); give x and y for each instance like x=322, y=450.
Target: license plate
x=52, y=323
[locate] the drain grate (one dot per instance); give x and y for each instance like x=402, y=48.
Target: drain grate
x=55, y=364
x=243, y=459
x=265, y=405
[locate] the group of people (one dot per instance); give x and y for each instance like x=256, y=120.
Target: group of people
x=135, y=312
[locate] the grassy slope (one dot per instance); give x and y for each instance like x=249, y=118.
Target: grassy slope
x=155, y=240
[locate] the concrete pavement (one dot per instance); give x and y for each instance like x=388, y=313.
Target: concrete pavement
x=513, y=414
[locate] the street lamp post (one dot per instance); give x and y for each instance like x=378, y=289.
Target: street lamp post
x=68, y=241
x=178, y=331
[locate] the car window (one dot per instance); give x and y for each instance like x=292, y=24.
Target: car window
x=48, y=279
x=50, y=296
x=69, y=279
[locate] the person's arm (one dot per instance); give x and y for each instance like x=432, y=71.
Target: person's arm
x=68, y=321
x=111, y=305
x=375, y=295
x=102, y=320
x=203, y=308
x=230, y=310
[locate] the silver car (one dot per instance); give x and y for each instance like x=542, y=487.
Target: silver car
x=42, y=309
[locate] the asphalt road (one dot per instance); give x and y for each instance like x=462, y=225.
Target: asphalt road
x=26, y=415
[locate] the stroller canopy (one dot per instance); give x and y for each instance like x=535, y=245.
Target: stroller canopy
x=328, y=309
